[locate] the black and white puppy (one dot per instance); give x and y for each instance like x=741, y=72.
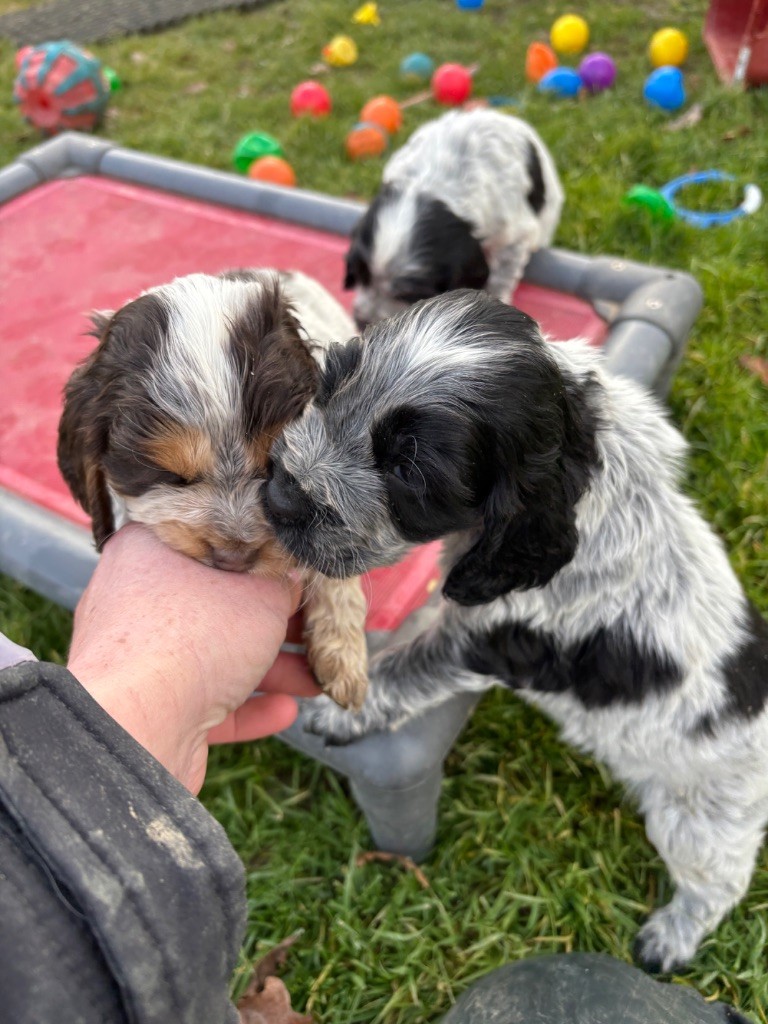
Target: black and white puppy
x=576, y=572
x=169, y=423
x=463, y=204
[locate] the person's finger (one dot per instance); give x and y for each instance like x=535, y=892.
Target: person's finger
x=258, y=717
x=294, y=632
x=290, y=674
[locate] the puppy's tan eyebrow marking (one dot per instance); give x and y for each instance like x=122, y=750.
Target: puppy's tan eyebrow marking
x=257, y=452
x=182, y=450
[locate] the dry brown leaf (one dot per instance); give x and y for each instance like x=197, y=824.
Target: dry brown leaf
x=137, y=57
x=266, y=1000
x=686, y=120
x=397, y=858
x=195, y=88
x=757, y=366
x=737, y=133
x=272, y=1005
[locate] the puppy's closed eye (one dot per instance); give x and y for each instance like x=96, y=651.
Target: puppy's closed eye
x=405, y=472
x=432, y=469
x=176, y=480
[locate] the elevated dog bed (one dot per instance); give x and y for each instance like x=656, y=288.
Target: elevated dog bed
x=88, y=225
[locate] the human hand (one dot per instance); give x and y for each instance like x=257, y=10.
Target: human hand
x=172, y=649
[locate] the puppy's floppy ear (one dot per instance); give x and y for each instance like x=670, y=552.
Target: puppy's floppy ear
x=358, y=270
x=83, y=436
x=355, y=267
x=467, y=265
x=545, y=453
x=278, y=372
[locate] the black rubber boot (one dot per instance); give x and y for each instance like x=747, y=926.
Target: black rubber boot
x=582, y=988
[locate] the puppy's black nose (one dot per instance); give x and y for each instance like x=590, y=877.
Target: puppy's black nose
x=284, y=497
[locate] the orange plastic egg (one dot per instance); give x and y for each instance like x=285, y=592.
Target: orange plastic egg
x=539, y=59
x=366, y=140
x=385, y=111
x=274, y=170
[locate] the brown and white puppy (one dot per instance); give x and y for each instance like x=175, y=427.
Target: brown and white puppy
x=170, y=420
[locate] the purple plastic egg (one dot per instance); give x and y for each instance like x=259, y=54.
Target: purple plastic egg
x=598, y=72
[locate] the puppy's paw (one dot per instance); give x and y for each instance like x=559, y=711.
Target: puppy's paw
x=342, y=676
x=323, y=717
x=666, y=942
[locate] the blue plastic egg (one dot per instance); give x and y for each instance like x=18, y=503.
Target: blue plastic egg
x=665, y=88
x=417, y=67
x=561, y=81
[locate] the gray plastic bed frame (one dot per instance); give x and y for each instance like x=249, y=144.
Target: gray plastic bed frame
x=395, y=777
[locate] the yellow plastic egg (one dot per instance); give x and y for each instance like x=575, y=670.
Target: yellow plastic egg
x=569, y=34
x=668, y=46
x=340, y=52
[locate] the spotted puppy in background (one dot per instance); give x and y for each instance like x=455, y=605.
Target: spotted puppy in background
x=577, y=573
x=170, y=420
x=463, y=204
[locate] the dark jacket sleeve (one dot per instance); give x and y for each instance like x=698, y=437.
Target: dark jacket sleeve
x=121, y=899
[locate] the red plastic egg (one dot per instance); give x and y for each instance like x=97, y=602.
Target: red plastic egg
x=310, y=98
x=451, y=84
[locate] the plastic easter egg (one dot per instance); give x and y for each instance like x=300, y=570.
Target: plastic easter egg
x=598, y=72
x=112, y=78
x=417, y=67
x=368, y=14
x=272, y=169
x=340, y=52
x=665, y=88
x=561, y=82
x=385, y=111
x=254, y=146
x=539, y=59
x=451, y=84
x=652, y=200
x=668, y=48
x=569, y=34
x=310, y=98
x=366, y=140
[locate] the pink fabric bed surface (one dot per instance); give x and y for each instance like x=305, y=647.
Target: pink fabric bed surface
x=77, y=244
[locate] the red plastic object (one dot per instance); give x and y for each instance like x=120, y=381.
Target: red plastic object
x=736, y=35
x=310, y=98
x=77, y=244
x=452, y=84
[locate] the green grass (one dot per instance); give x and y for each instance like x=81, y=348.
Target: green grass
x=537, y=851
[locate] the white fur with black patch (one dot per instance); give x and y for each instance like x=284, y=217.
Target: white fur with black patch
x=488, y=170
